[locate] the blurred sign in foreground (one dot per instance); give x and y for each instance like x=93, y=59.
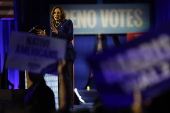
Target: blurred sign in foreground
x=142, y=64
x=34, y=53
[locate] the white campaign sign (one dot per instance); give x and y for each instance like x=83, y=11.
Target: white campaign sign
x=34, y=53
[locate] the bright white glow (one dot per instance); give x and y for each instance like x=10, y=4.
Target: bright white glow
x=78, y=95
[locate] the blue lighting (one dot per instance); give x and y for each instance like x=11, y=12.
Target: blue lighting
x=7, y=19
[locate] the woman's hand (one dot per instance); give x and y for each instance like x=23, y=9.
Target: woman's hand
x=54, y=30
x=41, y=32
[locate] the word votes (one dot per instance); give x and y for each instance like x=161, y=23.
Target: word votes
x=107, y=18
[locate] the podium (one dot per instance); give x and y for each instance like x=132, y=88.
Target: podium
x=10, y=99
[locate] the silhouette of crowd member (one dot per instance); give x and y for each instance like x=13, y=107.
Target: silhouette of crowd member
x=158, y=104
x=63, y=28
x=134, y=107
x=39, y=97
x=98, y=106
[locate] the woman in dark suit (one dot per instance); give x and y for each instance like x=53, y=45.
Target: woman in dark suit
x=63, y=28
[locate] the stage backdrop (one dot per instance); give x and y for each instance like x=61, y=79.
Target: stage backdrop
x=108, y=18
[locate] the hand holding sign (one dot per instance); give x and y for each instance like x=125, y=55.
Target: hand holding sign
x=142, y=64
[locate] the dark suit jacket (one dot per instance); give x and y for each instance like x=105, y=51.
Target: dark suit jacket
x=65, y=31
x=42, y=99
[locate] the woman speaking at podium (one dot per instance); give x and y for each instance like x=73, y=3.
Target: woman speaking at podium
x=63, y=28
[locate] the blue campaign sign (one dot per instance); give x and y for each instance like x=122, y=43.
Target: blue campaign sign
x=34, y=53
x=108, y=18
x=142, y=64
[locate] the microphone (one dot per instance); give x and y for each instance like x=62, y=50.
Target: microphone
x=32, y=29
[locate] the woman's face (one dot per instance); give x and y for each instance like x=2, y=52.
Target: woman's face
x=57, y=15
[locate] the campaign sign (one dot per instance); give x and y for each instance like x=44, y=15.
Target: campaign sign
x=108, y=18
x=142, y=64
x=34, y=53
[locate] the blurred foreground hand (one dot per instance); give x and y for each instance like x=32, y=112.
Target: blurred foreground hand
x=137, y=104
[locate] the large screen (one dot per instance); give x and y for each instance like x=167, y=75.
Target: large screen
x=108, y=18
